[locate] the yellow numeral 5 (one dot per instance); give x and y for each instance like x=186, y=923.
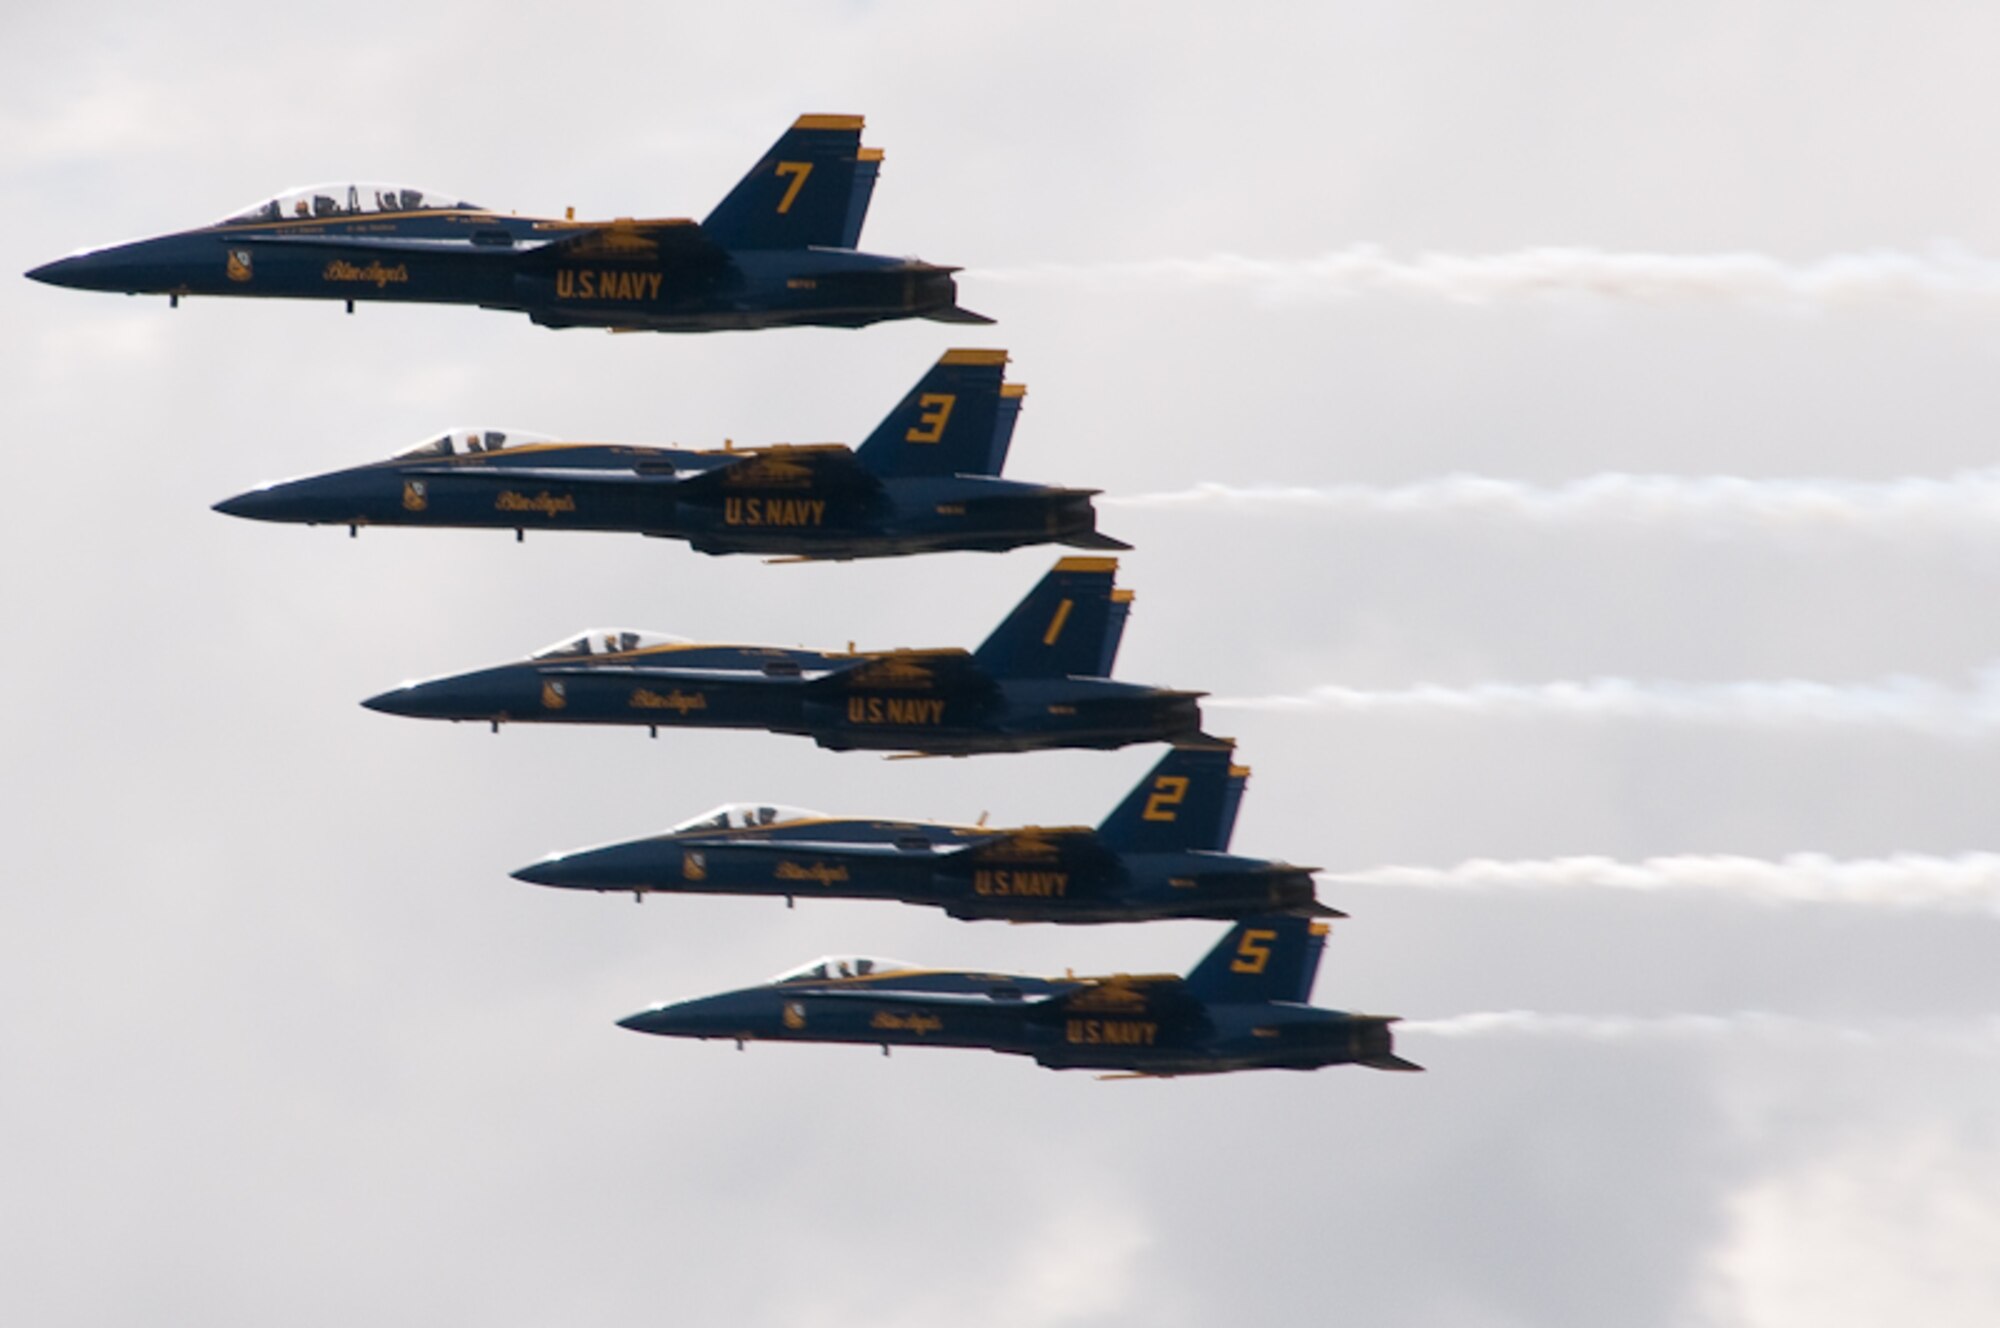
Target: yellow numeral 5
x=935, y=411
x=1253, y=952
x=1168, y=792
x=798, y=170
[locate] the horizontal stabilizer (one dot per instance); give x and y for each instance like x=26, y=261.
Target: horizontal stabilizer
x=1390, y=1063
x=957, y=315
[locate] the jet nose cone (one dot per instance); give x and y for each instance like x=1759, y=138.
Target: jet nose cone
x=91, y=271
x=619, y=867
x=399, y=701
x=546, y=872
x=58, y=273
x=253, y=505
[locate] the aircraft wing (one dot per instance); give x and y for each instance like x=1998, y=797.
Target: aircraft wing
x=649, y=474
x=812, y=468
x=668, y=673
x=908, y=671
x=399, y=244
x=962, y=998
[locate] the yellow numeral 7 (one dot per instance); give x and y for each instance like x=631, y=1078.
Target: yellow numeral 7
x=798, y=170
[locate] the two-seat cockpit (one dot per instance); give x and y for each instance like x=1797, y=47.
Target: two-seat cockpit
x=746, y=816
x=348, y=200
x=828, y=968
x=469, y=442
x=599, y=642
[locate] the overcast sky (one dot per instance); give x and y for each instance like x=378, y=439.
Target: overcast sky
x=287, y=1045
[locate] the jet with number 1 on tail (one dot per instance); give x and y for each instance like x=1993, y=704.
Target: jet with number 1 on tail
x=926, y=480
x=1243, y=1007
x=1040, y=680
x=1164, y=853
x=778, y=251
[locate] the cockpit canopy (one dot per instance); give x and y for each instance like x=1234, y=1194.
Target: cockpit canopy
x=828, y=967
x=746, y=816
x=349, y=200
x=465, y=442
x=606, y=642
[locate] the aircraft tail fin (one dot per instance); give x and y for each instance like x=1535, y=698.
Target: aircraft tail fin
x=1272, y=958
x=867, y=165
x=955, y=421
x=1188, y=801
x=1069, y=624
x=805, y=191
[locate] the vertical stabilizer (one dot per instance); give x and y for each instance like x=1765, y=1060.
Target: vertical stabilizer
x=947, y=423
x=801, y=193
x=1261, y=959
x=1060, y=629
x=1188, y=801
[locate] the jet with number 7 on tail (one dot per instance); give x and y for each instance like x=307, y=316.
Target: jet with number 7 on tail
x=1164, y=853
x=1040, y=680
x=1243, y=1007
x=927, y=479
x=778, y=251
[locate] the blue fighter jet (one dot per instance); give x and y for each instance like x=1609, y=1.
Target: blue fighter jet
x=778, y=251
x=1040, y=680
x=1244, y=1007
x=1164, y=853
x=926, y=479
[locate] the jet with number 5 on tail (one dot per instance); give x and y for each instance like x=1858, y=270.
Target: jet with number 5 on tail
x=1164, y=853
x=1042, y=679
x=778, y=251
x=1243, y=1007
x=927, y=479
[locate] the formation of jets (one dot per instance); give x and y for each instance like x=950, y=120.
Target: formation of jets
x=780, y=250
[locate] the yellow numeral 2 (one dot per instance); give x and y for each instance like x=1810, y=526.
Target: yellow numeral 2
x=1168, y=793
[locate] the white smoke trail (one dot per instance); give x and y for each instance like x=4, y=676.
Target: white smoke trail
x=1965, y=504
x=1973, y=1035
x=1914, y=705
x=1941, y=275
x=1967, y=883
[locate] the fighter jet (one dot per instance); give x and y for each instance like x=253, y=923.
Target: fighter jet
x=1040, y=680
x=778, y=251
x=926, y=479
x=1162, y=854
x=1244, y=1007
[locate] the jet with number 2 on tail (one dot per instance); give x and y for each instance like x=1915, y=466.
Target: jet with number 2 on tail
x=1040, y=680
x=1164, y=853
x=778, y=251
x=927, y=479
x=1243, y=1007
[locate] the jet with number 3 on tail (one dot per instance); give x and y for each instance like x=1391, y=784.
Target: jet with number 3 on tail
x=1040, y=680
x=778, y=251
x=1243, y=1007
x=927, y=479
x=1164, y=853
